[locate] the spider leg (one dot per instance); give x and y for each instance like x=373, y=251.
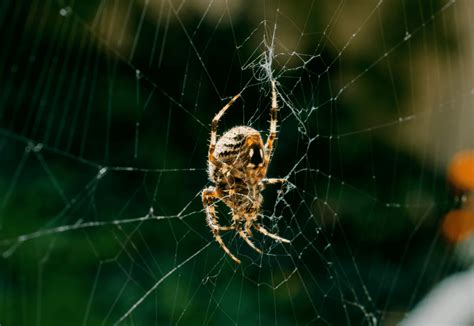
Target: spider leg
x=214, y=125
x=225, y=228
x=264, y=231
x=244, y=236
x=209, y=195
x=272, y=181
x=248, y=224
x=273, y=121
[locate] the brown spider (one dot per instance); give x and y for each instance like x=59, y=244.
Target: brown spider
x=238, y=163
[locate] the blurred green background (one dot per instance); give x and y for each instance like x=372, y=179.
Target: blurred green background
x=105, y=109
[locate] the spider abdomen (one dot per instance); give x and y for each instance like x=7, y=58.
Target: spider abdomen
x=231, y=149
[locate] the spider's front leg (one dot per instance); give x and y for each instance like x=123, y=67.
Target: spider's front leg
x=264, y=231
x=244, y=234
x=209, y=196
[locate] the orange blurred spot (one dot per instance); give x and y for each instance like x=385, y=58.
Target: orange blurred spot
x=461, y=171
x=458, y=225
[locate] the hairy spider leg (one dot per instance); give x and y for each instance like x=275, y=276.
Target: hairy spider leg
x=244, y=236
x=214, y=125
x=209, y=196
x=248, y=225
x=264, y=231
x=272, y=181
x=273, y=122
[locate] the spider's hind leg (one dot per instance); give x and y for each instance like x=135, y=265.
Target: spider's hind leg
x=214, y=125
x=273, y=121
x=209, y=196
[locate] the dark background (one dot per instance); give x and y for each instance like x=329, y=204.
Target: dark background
x=105, y=109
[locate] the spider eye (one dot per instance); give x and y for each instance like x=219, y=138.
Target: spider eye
x=255, y=154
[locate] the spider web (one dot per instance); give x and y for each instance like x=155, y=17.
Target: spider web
x=105, y=111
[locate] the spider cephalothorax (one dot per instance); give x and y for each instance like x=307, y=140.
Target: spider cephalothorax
x=238, y=163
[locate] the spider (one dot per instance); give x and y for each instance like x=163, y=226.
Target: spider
x=238, y=163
